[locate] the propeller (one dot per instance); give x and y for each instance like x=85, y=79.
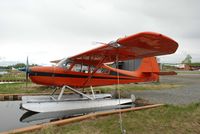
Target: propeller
x=27, y=71
x=114, y=44
x=97, y=42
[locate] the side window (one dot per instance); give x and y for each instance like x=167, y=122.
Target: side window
x=80, y=68
x=92, y=68
x=102, y=70
x=84, y=69
x=77, y=68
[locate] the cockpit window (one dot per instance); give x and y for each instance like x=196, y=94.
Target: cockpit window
x=65, y=63
x=68, y=65
x=77, y=68
x=100, y=70
x=84, y=69
x=80, y=68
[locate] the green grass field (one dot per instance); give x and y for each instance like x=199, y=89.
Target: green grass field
x=15, y=88
x=13, y=75
x=188, y=72
x=144, y=86
x=167, y=119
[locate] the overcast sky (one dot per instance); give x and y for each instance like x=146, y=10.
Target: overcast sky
x=48, y=30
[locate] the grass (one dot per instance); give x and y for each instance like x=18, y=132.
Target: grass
x=167, y=119
x=188, y=72
x=13, y=88
x=13, y=75
x=146, y=86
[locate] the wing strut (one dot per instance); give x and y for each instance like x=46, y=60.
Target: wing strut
x=95, y=70
x=70, y=88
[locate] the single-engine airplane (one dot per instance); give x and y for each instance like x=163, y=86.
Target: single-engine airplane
x=127, y=60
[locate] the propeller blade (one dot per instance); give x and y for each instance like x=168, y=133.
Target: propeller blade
x=111, y=43
x=114, y=44
x=96, y=42
x=27, y=71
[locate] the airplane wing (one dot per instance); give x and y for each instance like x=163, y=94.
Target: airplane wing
x=145, y=44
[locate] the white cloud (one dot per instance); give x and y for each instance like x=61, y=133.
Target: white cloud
x=48, y=30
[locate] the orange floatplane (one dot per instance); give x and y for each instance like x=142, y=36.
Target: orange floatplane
x=127, y=60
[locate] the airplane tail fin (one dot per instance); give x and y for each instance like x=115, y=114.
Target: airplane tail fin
x=150, y=67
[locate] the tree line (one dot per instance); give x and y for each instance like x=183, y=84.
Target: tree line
x=16, y=66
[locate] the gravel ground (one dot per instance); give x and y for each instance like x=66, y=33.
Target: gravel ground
x=189, y=91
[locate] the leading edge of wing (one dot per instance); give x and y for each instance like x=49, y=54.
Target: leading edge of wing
x=144, y=44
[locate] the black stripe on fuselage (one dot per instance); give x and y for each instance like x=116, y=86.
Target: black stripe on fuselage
x=48, y=74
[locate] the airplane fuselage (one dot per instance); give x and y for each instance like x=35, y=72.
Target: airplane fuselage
x=56, y=76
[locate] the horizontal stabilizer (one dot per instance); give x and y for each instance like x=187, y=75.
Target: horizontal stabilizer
x=167, y=73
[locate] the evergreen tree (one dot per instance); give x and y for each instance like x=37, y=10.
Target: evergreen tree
x=187, y=60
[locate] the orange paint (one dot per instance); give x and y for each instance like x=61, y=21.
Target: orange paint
x=79, y=70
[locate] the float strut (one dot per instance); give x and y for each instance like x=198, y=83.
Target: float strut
x=61, y=93
x=78, y=92
x=92, y=91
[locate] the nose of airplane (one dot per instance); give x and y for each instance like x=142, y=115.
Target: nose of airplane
x=41, y=75
x=40, y=69
x=32, y=71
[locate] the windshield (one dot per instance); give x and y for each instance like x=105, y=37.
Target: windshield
x=65, y=63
